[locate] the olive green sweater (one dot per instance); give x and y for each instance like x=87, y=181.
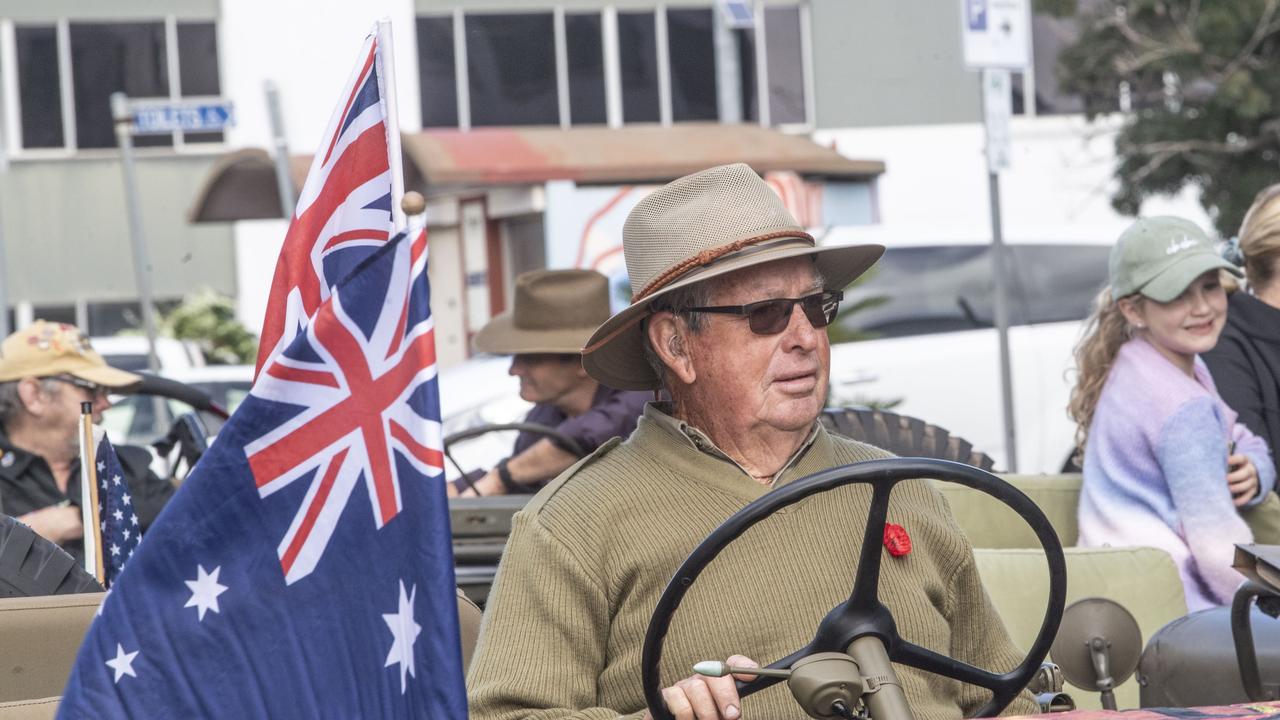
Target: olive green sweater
x=589, y=556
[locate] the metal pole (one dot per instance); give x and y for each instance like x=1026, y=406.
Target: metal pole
x=4, y=265
x=284, y=181
x=141, y=264
x=999, y=267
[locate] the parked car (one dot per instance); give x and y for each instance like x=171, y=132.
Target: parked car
x=129, y=352
x=932, y=350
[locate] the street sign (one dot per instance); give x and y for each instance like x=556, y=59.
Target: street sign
x=997, y=108
x=737, y=14
x=996, y=33
x=161, y=116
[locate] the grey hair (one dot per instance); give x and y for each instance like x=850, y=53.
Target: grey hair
x=11, y=406
x=676, y=302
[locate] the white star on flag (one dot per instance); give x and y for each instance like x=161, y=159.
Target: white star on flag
x=126, y=498
x=205, y=591
x=404, y=632
x=133, y=519
x=115, y=479
x=103, y=603
x=118, y=515
x=123, y=662
x=126, y=533
x=102, y=466
x=115, y=549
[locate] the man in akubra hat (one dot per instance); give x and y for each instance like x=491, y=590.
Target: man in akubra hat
x=731, y=302
x=554, y=313
x=46, y=371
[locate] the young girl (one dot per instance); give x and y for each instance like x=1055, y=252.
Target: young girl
x=1165, y=462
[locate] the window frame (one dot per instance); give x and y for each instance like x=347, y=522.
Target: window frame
x=11, y=121
x=611, y=60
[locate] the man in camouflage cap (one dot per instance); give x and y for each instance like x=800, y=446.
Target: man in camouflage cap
x=46, y=371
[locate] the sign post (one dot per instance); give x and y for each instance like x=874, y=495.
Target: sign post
x=149, y=116
x=996, y=35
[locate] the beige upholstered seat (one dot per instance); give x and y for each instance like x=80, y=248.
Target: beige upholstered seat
x=41, y=635
x=990, y=523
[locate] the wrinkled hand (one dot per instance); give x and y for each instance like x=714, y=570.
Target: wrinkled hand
x=1242, y=479
x=56, y=523
x=698, y=697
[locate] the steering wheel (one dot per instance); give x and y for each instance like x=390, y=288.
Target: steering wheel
x=863, y=614
x=537, y=428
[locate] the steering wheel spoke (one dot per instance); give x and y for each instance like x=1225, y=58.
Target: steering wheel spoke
x=866, y=584
x=939, y=664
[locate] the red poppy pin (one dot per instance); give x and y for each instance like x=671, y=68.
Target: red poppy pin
x=896, y=540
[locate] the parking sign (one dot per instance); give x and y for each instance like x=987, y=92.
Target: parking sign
x=996, y=33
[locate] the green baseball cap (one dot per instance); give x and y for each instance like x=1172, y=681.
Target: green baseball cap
x=1160, y=256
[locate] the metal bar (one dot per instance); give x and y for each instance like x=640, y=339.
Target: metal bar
x=762, y=67
x=806, y=65
x=662, y=46
x=175, y=70
x=562, y=69
x=612, y=66
x=66, y=88
x=728, y=70
x=999, y=268
x=460, y=75
x=280, y=141
x=122, y=116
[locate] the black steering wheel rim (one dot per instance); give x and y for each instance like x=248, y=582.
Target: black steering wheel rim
x=848, y=620
x=563, y=440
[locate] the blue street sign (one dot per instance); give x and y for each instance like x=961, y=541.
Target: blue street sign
x=152, y=117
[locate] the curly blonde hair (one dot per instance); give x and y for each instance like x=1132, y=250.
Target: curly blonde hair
x=1104, y=332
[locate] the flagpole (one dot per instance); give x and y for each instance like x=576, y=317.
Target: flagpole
x=387, y=80
x=89, y=496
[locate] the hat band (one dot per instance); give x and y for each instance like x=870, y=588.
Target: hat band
x=706, y=257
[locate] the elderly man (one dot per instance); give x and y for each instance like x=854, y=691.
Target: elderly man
x=46, y=371
x=731, y=298
x=553, y=314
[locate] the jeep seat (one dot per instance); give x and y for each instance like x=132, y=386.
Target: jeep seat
x=990, y=523
x=1143, y=580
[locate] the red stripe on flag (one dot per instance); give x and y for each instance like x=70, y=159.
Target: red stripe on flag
x=355, y=90
x=313, y=512
x=427, y=455
x=311, y=377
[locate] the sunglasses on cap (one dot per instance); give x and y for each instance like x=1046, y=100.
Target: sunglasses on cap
x=93, y=388
x=770, y=317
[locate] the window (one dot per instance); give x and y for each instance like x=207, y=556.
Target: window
x=691, y=42
x=586, y=68
x=106, y=57
x=948, y=288
x=437, y=79
x=513, y=76
x=511, y=65
x=38, y=88
x=638, y=53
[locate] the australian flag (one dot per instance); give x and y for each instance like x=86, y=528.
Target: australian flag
x=120, y=529
x=304, y=568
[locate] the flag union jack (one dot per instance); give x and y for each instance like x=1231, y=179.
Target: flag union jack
x=344, y=208
x=366, y=384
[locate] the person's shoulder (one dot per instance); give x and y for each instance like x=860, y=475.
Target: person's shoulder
x=568, y=486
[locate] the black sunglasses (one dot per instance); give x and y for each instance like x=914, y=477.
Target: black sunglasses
x=93, y=388
x=770, y=317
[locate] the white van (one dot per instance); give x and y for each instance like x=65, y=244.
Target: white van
x=932, y=346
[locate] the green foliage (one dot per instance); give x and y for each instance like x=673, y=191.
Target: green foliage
x=1205, y=96
x=209, y=319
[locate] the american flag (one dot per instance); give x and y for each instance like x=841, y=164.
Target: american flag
x=345, y=210
x=304, y=568
x=120, y=529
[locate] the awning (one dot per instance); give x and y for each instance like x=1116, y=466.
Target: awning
x=242, y=185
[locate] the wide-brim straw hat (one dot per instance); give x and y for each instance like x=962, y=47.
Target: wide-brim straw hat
x=698, y=227
x=554, y=311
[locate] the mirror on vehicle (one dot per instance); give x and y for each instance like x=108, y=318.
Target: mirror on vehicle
x=1098, y=646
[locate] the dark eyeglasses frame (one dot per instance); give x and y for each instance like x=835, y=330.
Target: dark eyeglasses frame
x=93, y=388
x=819, y=308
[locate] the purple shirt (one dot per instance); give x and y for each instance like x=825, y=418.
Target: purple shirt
x=613, y=413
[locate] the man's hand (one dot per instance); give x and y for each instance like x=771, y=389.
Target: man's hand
x=1242, y=479
x=56, y=523
x=488, y=484
x=699, y=697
